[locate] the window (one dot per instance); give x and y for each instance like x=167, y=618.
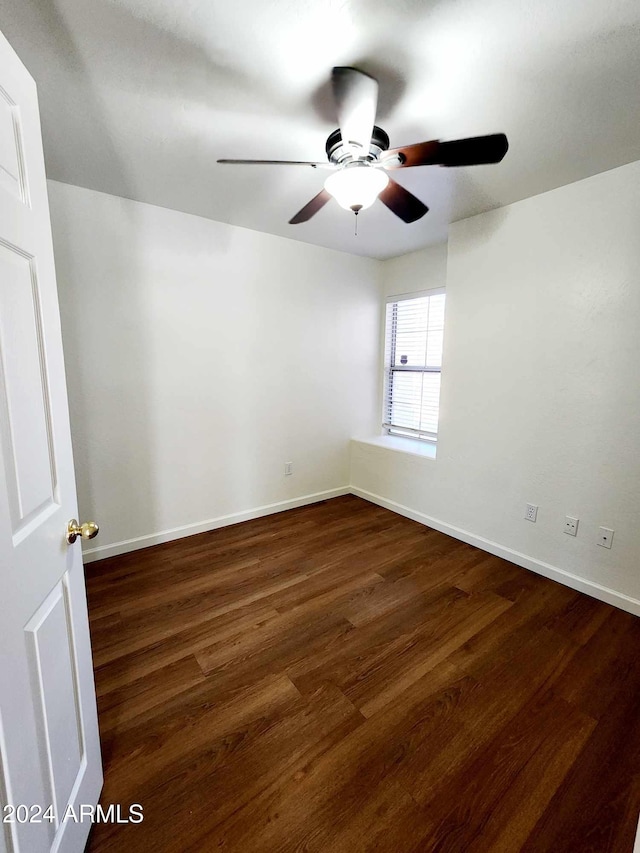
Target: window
x=413, y=361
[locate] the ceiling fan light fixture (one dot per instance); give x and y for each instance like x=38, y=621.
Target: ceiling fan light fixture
x=356, y=186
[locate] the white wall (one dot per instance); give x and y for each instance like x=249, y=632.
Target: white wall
x=417, y=271
x=200, y=358
x=540, y=395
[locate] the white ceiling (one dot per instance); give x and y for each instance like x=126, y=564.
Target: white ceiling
x=140, y=97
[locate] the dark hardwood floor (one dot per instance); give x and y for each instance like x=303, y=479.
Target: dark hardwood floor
x=338, y=678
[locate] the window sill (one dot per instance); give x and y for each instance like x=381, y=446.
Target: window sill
x=411, y=446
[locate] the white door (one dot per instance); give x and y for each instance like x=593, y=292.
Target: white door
x=49, y=747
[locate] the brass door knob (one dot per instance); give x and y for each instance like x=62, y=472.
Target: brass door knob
x=88, y=530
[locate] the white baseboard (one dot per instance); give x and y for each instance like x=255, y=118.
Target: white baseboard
x=596, y=590
x=101, y=552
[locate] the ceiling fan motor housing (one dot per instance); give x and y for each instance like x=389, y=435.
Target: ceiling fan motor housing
x=337, y=153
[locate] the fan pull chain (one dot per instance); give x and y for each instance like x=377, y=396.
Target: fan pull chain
x=356, y=228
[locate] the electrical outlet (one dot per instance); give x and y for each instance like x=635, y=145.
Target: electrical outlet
x=531, y=512
x=571, y=525
x=288, y=469
x=605, y=537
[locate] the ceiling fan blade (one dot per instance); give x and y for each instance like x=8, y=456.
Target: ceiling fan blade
x=311, y=208
x=460, y=152
x=279, y=163
x=356, y=97
x=401, y=202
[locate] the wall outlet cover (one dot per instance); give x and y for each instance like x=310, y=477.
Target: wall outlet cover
x=531, y=512
x=571, y=525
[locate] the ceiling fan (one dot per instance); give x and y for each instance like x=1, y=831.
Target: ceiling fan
x=359, y=155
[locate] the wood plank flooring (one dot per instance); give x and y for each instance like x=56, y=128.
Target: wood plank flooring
x=338, y=678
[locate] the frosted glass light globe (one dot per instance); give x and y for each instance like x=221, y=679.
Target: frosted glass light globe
x=357, y=186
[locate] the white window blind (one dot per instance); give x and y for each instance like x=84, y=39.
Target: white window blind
x=413, y=362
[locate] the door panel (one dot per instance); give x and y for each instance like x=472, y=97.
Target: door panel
x=12, y=176
x=54, y=680
x=27, y=440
